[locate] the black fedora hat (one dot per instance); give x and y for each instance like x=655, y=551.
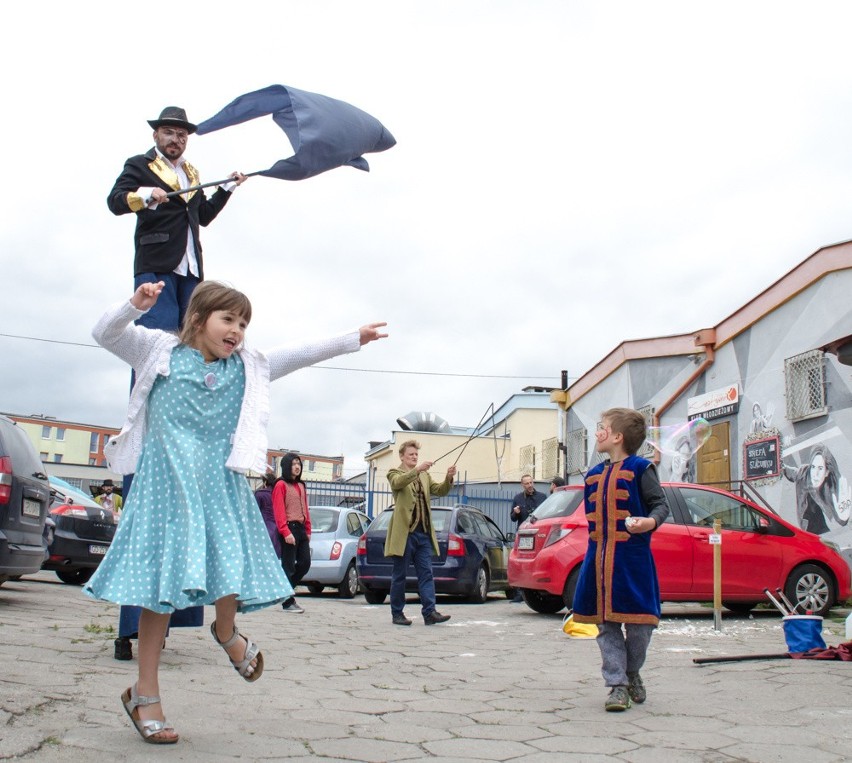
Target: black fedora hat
x=173, y=116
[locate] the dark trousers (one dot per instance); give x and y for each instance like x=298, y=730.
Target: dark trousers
x=418, y=550
x=171, y=305
x=296, y=559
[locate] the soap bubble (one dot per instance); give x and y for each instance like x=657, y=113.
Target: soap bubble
x=682, y=440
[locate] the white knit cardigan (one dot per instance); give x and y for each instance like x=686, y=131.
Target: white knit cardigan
x=149, y=352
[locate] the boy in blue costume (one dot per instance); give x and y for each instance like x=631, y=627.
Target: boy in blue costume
x=618, y=581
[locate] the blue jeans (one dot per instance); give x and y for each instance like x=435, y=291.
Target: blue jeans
x=171, y=305
x=419, y=550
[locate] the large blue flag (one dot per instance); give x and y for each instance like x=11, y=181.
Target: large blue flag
x=325, y=133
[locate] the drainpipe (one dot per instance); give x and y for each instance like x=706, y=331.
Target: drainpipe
x=706, y=339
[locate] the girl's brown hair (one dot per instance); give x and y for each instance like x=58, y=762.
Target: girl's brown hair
x=208, y=297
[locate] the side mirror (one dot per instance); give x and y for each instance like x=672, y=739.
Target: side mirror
x=510, y=538
x=763, y=525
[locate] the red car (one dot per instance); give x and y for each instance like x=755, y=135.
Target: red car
x=759, y=550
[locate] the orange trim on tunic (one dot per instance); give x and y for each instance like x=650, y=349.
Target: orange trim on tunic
x=607, y=488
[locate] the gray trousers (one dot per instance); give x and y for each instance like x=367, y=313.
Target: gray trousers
x=622, y=655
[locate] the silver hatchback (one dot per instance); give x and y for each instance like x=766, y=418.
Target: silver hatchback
x=334, y=541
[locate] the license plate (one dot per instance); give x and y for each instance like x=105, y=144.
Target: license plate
x=98, y=550
x=31, y=508
x=526, y=543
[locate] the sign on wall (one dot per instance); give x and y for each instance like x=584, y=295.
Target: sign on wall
x=761, y=458
x=715, y=404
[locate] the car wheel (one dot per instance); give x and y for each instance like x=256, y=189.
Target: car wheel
x=479, y=594
x=739, y=607
x=540, y=601
x=569, y=588
x=375, y=597
x=810, y=588
x=315, y=588
x=75, y=577
x=349, y=585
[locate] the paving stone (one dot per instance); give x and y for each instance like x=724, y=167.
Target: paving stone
x=342, y=684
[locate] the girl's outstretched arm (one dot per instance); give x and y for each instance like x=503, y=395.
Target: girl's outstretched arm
x=115, y=330
x=285, y=360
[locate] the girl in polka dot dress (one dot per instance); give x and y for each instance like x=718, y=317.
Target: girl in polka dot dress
x=191, y=533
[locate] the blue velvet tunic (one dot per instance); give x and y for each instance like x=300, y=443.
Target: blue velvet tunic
x=618, y=580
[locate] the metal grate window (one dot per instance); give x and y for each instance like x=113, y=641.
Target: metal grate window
x=804, y=377
x=646, y=450
x=575, y=456
x=550, y=458
x=527, y=461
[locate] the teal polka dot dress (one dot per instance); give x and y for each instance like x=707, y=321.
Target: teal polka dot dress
x=191, y=531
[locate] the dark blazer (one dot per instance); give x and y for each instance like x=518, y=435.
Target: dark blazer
x=160, y=237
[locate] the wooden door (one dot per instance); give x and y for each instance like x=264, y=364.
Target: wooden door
x=714, y=457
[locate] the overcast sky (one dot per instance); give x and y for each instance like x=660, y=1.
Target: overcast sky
x=568, y=175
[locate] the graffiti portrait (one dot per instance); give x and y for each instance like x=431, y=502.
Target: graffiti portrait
x=823, y=496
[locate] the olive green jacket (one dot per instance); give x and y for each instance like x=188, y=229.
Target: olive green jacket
x=402, y=484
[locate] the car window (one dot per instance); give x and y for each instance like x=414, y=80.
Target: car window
x=486, y=528
x=353, y=525
x=364, y=520
x=561, y=504
x=465, y=523
x=382, y=521
x=16, y=444
x=324, y=520
x=705, y=506
x=440, y=519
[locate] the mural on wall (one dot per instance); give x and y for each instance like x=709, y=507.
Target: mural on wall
x=823, y=496
x=761, y=421
x=682, y=465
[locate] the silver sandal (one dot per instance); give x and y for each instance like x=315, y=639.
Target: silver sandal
x=131, y=700
x=243, y=667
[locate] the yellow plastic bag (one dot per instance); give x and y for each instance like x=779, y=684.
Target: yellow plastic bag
x=578, y=630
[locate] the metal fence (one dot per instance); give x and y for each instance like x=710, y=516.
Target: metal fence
x=495, y=502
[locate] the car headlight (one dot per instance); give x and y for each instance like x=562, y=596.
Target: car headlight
x=832, y=546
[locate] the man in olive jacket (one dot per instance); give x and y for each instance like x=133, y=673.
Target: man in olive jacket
x=411, y=535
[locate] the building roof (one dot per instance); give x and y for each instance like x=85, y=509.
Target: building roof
x=826, y=260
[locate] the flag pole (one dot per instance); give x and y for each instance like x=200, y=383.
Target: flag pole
x=207, y=185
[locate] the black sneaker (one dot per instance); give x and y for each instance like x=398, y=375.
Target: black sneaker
x=617, y=700
x=636, y=688
x=123, y=649
x=292, y=607
x=435, y=617
x=401, y=619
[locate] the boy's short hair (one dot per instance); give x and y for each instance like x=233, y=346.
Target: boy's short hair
x=408, y=444
x=630, y=424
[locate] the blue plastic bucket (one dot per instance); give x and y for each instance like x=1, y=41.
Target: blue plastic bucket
x=803, y=632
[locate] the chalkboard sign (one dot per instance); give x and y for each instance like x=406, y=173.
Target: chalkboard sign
x=761, y=458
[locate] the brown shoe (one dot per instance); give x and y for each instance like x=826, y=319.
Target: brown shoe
x=401, y=619
x=435, y=617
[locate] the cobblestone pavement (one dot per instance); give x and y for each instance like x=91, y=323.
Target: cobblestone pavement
x=496, y=683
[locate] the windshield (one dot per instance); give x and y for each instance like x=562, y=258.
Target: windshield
x=64, y=491
x=324, y=520
x=561, y=504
